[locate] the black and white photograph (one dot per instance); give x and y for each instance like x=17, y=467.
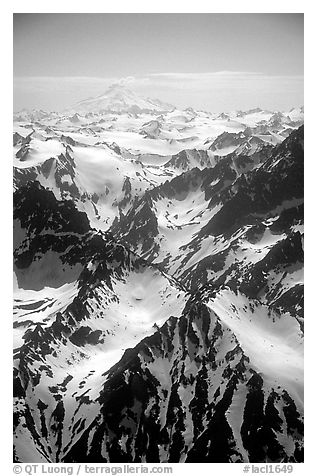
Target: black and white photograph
x=158, y=226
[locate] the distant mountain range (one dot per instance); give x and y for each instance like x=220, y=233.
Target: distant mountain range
x=158, y=303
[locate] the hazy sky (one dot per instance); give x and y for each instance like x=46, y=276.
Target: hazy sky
x=209, y=61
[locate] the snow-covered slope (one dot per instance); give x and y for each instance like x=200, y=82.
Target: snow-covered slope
x=100, y=181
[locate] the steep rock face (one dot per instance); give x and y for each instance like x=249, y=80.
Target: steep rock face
x=151, y=129
x=192, y=393
x=188, y=159
x=249, y=196
x=240, y=143
x=55, y=173
x=50, y=238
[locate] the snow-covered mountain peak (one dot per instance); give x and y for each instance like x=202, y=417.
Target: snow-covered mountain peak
x=118, y=99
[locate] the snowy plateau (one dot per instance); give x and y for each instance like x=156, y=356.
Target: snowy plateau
x=158, y=283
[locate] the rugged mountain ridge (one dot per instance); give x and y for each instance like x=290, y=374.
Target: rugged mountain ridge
x=171, y=400
x=91, y=321
x=250, y=232
x=174, y=333
x=188, y=374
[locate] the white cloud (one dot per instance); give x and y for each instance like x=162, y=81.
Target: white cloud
x=221, y=80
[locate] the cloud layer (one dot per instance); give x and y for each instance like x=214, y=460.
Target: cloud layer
x=214, y=91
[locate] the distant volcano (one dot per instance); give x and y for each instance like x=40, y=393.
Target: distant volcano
x=117, y=98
